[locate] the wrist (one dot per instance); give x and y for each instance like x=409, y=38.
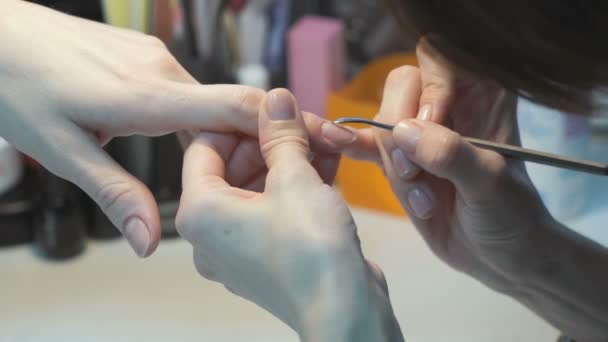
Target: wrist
x=352, y=310
x=510, y=262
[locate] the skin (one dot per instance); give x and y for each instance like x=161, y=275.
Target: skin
x=76, y=84
x=264, y=245
x=96, y=82
x=476, y=210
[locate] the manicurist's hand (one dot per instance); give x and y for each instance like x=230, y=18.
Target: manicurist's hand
x=478, y=211
x=287, y=243
x=68, y=86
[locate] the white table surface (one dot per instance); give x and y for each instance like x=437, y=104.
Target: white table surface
x=109, y=295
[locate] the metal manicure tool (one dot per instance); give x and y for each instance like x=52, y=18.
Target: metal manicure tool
x=510, y=151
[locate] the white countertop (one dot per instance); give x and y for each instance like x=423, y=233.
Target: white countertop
x=109, y=295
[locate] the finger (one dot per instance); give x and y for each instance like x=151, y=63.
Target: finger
x=378, y=275
x=284, y=143
x=438, y=85
x=75, y=156
x=204, y=163
x=160, y=107
x=423, y=198
x=327, y=167
x=365, y=148
x=257, y=184
x=184, y=138
x=246, y=163
x=445, y=154
x=400, y=101
x=208, y=201
x=325, y=136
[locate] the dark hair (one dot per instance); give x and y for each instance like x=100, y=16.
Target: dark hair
x=554, y=52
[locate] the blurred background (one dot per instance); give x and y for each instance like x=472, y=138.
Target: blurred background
x=67, y=272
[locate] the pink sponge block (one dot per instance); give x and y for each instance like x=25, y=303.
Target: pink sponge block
x=316, y=61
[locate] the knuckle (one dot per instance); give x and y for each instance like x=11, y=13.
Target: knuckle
x=437, y=90
x=202, y=267
x=164, y=60
x=112, y=195
x=401, y=74
x=497, y=168
x=247, y=100
x=378, y=274
x=196, y=221
x=286, y=140
x=445, y=152
x=154, y=41
x=292, y=147
x=183, y=222
x=495, y=164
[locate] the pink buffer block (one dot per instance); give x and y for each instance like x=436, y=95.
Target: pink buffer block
x=317, y=61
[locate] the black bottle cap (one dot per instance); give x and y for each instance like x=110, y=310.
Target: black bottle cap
x=18, y=209
x=60, y=231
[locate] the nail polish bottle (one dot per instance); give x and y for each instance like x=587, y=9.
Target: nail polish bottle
x=11, y=167
x=18, y=209
x=59, y=232
x=166, y=181
x=15, y=204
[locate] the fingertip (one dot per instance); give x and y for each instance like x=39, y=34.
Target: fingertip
x=407, y=134
x=141, y=237
x=426, y=112
x=405, y=169
x=421, y=202
x=338, y=136
x=281, y=105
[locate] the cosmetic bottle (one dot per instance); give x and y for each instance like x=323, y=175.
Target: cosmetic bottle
x=59, y=232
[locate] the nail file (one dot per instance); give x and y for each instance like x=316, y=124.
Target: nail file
x=510, y=151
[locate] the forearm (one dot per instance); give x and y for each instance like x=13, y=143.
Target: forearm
x=566, y=282
x=362, y=318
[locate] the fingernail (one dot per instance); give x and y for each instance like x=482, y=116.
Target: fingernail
x=138, y=236
x=281, y=106
x=403, y=166
x=406, y=135
x=425, y=113
x=421, y=203
x=337, y=134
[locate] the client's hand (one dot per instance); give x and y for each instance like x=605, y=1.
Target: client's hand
x=292, y=249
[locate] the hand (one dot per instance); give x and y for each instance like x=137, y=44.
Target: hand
x=478, y=211
x=70, y=85
x=293, y=248
x=475, y=209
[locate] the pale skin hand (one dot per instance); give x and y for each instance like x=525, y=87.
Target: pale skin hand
x=70, y=85
x=289, y=245
x=477, y=211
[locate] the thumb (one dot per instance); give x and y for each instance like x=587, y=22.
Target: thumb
x=75, y=156
x=284, y=141
x=438, y=85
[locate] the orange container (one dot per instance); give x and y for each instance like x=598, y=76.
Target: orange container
x=364, y=184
